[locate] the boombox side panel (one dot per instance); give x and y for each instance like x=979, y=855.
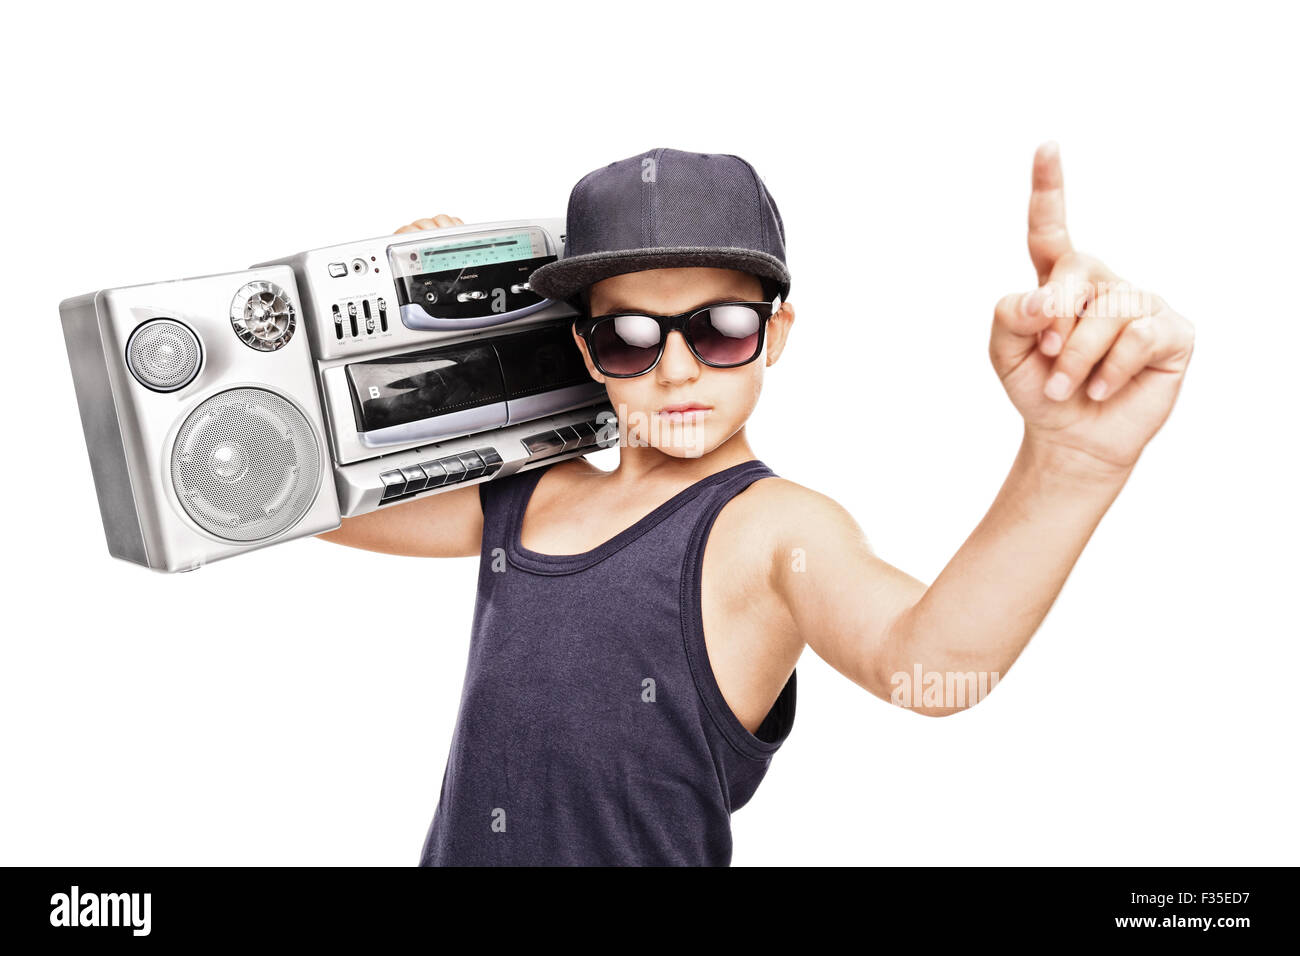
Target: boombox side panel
x=102, y=429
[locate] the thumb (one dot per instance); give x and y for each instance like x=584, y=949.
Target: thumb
x=1017, y=320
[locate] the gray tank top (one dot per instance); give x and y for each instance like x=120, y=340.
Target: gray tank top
x=591, y=729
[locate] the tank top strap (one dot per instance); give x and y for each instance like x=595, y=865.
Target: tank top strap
x=500, y=500
x=780, y=719
x=715, y=496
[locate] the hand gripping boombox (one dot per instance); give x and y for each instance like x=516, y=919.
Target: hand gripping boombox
x=231, y=412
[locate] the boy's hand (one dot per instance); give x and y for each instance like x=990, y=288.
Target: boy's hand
x=1091, y=363
x=440, y=221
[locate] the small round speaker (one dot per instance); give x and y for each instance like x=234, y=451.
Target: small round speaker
x=246, y=465
x=163, y=355
x=263, y=316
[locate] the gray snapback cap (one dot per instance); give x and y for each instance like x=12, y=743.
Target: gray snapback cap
x=665, y=209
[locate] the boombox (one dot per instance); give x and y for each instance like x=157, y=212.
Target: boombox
x=231, y=412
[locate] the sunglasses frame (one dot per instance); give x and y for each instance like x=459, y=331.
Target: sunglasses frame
x=586, y=326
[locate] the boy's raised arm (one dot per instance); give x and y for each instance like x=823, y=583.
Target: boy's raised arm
x=1093, y=365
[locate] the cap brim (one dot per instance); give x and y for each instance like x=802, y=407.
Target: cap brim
x=565, y=278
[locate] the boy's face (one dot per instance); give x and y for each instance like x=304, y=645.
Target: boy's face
x=725, y=396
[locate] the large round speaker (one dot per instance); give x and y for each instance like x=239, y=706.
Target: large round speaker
x=246, y=465
x=163, y=355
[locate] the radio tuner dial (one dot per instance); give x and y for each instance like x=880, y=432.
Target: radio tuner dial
x=263, y=316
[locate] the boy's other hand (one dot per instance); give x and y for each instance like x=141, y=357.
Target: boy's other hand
x=1091, y=363
x=440, y=221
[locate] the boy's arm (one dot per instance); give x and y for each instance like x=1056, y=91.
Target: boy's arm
x=1082, y=325
x=445, y=525
x=872, y=622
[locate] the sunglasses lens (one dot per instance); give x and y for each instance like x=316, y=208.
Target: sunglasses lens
x=726, y=334
x=627, y=344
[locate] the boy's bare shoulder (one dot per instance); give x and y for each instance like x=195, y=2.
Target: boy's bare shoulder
x=787, y=503
x=777, y=514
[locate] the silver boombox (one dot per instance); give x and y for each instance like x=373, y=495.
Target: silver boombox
x=231, y=412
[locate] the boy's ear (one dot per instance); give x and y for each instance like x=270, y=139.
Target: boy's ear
x=778, y=331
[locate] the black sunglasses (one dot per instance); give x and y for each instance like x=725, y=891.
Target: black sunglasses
x=722, y=335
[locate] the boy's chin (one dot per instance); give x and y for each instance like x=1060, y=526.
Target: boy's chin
x=697, y=451
x=679, y=442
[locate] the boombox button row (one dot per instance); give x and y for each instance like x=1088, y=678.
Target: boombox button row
x=559, y=440
x=401, y=483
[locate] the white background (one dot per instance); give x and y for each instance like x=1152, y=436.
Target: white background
x=295, y=705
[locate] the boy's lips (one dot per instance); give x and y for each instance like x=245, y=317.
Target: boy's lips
x=685, y=410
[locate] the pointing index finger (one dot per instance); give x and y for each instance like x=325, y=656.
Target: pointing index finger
x=1048, y=238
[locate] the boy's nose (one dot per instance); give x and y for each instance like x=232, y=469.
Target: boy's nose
x=679, y=362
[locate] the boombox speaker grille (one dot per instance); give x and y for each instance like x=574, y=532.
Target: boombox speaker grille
x=246, y=465
x=163, y=355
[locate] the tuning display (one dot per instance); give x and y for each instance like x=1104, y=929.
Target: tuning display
x=263, y=316
x=442, y=281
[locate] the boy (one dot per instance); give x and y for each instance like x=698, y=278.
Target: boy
x=632, y=662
